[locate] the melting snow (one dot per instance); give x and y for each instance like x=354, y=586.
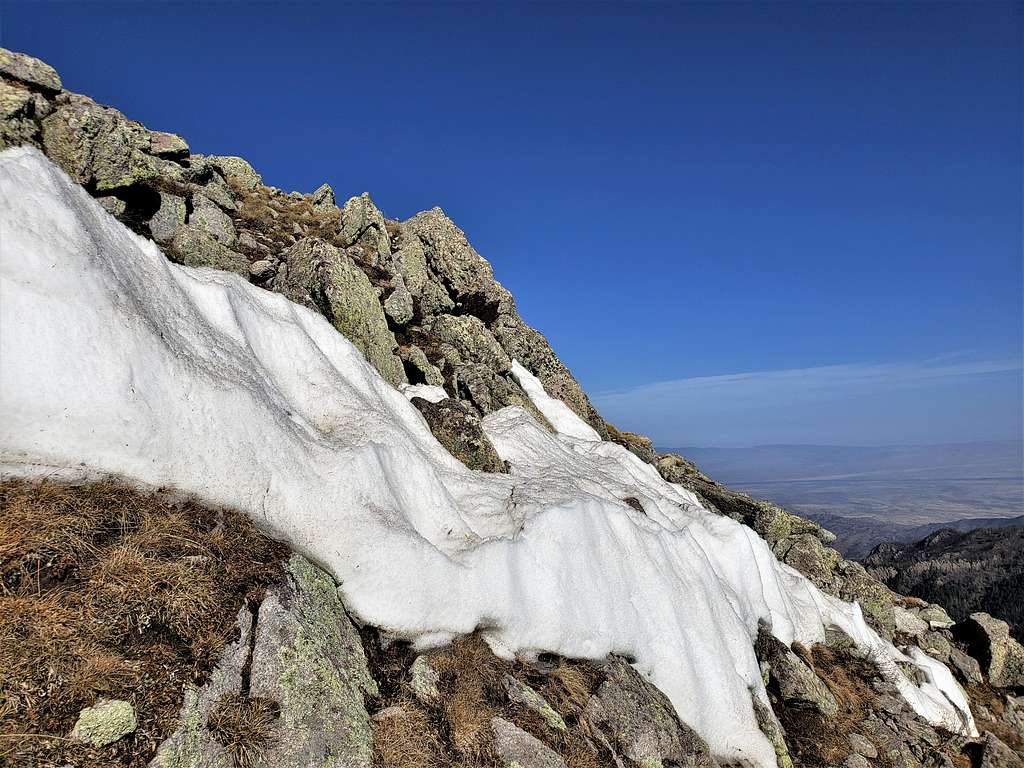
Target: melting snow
x=115, y=360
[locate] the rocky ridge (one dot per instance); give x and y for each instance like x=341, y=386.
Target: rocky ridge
x=424, y=308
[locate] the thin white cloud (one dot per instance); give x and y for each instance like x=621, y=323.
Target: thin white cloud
x=950, y=398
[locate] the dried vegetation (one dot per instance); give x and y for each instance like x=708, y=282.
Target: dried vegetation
x=108, y=592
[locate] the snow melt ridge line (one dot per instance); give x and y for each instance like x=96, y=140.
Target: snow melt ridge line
x=118, y=360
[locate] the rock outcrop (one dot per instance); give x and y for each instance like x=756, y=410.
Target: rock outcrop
x=299, y=654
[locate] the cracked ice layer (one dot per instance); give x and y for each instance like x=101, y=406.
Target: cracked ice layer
x=116, y=361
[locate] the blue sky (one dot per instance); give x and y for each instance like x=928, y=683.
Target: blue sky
x=699, y=204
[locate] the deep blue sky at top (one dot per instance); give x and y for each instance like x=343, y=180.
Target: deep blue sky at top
x=670, y=191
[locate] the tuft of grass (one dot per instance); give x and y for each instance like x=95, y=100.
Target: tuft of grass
x=245, y=726
x=110, y=592
x=406, y=738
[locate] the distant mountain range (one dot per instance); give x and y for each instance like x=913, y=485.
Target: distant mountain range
x=867, y=495
x=977, y=570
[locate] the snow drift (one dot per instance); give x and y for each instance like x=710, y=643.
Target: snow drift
x=116, y=361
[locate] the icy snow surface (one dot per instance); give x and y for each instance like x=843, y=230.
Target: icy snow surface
x=429, y=392
x=115, y=360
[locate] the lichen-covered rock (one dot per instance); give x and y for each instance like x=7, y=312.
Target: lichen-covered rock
x=324, y=278
x=532, y=350
x=639, y=722
x=465, y=339
x=168, y=219
x=237, y=171
x=522, y=694
x=97, y=146
x=323, y=197
x=936, y=617
x=463, y=272
x=424, y=680
x=936, y=645
x=459, y=430
x=29, y=70
x=262, y=270
x=167, y=145
x=105, y=722
x=301, y=651
x=772, y=729
x=807, y=554
x=207, y=216
x=197, y=248
x=398, y=305
x=364, y=225
x=908, y=622
x=989, y=641
x=19, y=111
x=423, y=371
x=862, y=746
x=515, y=748
x=995, y=754
x=308, y=657
x=796, y=682
x=874, y=598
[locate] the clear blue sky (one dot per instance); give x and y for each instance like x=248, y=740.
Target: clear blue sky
x=672, y=192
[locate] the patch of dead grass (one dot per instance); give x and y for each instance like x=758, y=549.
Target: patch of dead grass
x=245, y=726
x=106, y=591
x=455, y=730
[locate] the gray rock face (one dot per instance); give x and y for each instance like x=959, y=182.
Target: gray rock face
x=964, y=665
x=262, y=270
x=463, y=272
x=167, y=145
x=908, y=622
x=995, y=754
x=168, y=219
x=936, y=645
x=19, y=110
x=195, y=247
x=862, y=746
x=324, y=278
x=323, y=197
x=29, y=70
x=398, y=306
x=796, y=682
x=465, y=339
x=237, y=171
x=640, y=724
x=207, y=216
x=1000, y=655
x=530, y=348
x=364, y=225
x=459, y=430
x=516, y=748
x=417, y=358
x=97, y=146
x=302, y=652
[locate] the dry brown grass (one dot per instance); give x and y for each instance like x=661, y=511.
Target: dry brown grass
x=277, y=221
x=407, y=739
x=245, y=726
x=455, y=731
x=816, y=741
x=107, y=591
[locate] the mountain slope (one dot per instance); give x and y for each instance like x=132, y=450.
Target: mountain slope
x=298, y=405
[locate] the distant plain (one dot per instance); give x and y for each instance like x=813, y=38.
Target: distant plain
x=871, y=494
